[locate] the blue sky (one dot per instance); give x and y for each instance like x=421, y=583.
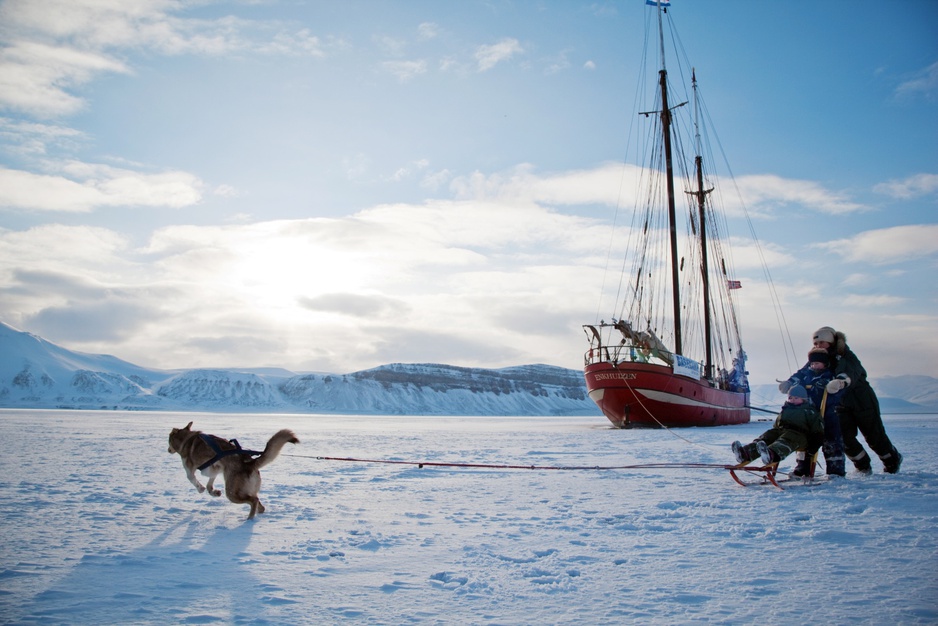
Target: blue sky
x=332, y=186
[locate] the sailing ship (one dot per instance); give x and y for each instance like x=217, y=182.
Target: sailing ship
x=671, y=354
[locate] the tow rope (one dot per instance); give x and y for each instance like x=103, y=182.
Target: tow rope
x=422, y=464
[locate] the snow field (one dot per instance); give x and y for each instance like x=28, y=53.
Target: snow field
x=101, y=526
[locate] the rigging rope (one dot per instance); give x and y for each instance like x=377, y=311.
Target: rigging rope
x=422, y=464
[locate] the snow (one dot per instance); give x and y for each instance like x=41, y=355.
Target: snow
x=37, y=374
x=101, y=526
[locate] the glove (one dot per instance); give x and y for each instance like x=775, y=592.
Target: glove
x=837, y=384
x=785, y=386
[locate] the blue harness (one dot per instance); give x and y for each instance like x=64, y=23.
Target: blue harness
x=219, y=453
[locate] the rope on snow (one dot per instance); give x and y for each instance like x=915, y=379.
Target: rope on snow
x=421, y=464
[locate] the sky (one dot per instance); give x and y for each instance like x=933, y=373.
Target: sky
x=332, y=186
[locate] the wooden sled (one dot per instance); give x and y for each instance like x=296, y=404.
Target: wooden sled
x=768, y=474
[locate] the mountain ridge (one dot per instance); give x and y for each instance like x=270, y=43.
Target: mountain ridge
x=36, y=373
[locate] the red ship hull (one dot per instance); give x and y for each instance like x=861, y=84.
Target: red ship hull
x=648, y=395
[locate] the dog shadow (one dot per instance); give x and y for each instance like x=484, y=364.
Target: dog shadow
x=180, y=576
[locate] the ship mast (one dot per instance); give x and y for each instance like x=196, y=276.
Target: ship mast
x=701, y=195
x=672, y=217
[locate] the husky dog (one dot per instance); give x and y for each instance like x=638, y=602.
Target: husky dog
x=241, y=471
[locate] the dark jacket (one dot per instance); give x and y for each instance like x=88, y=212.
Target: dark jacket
x=858, y=396
x=815, y=383
x=802, y=418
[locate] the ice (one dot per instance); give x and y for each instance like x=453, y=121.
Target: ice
x=101, y=526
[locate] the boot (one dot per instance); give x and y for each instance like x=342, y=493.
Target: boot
x=835, y=466
x=744, y=453
x=891, y=461
x=768, y=455
x=834, y=459
x=803, y=467
x=863, y=464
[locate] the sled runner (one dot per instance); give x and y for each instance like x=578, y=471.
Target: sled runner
x=765, y=473
x=768, y=474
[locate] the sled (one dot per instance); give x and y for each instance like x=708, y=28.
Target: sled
x=768, y=474
x=765, y=473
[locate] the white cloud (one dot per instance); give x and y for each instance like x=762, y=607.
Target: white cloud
x=82, y=187
x=615, y=184
x=391, y=46
x=924, y=82
x=428, y=30
x=863, y=301
x=35, y=139
x=522, y=184
x=35, y=77
x=507, y=279
x=434, y=181
x=407, y=171
x=52, y=47
x=854, y=280
x=773, y=191
x=490, y=56
x=558, y=63
x=461, y=270
x=356, y=166
x=888, y=245
x=405, y=70
x=61, y=249
x=914, y=186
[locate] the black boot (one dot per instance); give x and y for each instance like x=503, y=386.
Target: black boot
x=891, y=461
x=744, y=453
x=802, y=468
x=834, y=458
x=863, y=464
x=769, y=456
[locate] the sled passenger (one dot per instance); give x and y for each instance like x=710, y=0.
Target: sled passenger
x=814, y=378
x=859, y=407
x=798, y=425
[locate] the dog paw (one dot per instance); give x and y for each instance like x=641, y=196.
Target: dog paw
x=215, y=492
x=200, y=488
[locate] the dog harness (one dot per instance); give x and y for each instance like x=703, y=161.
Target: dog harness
x=219, y=453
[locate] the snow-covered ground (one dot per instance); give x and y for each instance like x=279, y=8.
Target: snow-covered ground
x=101, y=526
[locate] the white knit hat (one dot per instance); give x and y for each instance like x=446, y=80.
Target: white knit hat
x=824, y=333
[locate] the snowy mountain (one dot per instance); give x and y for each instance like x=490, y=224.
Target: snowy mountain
x=35, y=373
x=424, y=389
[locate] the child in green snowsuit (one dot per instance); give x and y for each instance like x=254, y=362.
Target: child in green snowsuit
x=798, y=425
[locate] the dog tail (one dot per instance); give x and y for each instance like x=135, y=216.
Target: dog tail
x=276, y=443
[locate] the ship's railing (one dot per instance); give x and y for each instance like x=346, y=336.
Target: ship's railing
x=632, y=347
x=626, y=353
x=645, y=347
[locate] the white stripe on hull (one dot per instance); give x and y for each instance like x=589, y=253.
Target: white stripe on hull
x=671, y=398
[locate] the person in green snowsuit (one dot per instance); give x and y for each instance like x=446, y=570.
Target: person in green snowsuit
x=798, y=425
x=859, y=407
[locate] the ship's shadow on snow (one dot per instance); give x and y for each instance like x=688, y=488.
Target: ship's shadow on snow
x=181, y=576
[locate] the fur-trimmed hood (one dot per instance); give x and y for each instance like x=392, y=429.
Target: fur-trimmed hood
x=840, y=344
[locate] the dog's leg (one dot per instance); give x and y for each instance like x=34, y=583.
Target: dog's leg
x=256, y=507
x=210, y=486
x=190, y=474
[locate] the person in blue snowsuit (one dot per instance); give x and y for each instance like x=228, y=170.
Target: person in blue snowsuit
x=814, y=377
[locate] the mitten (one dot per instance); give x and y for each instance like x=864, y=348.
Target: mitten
x=837, y=384
x=785, y=386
